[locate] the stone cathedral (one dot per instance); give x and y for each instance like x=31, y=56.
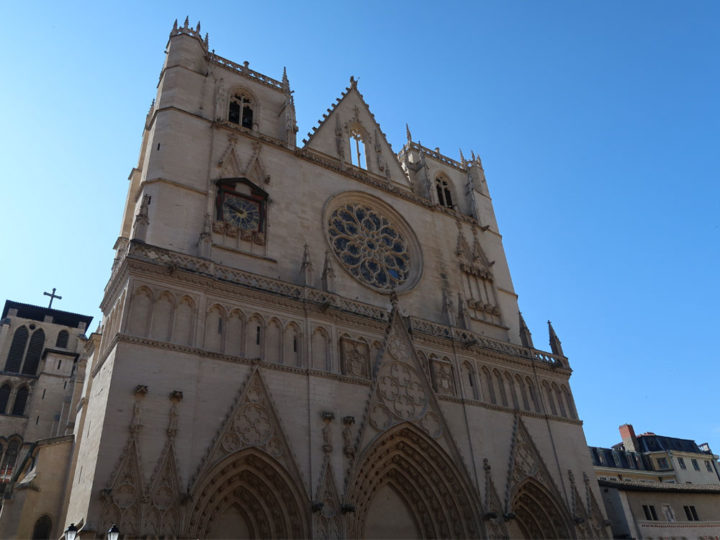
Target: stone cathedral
x=314, y=339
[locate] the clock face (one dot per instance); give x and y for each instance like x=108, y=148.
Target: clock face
x=241, y=212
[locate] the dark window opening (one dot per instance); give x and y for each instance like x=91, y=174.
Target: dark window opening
x=294, y=344
x=4, y=397
x=219, y=326
x=43, y=528
x=20, y=401
x=32, y=358
x=695, y=464
x=443, y=192
x=59, y=364
x=691, y=513
x=257, y=335
x=62, y=339
x=17, y=349
x=238, y=104
x=649, y=511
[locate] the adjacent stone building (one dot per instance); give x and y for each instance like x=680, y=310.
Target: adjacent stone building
x=313, y=340
x=659, y=487
x=40, y=351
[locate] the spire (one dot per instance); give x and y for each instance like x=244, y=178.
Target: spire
x=462, y=158
x=285, y=81
x=525, y=335
x=407, y=133
x=187, y=22
x=306, y=268
x=174, y=28
x=328, y=275
x=555, y=345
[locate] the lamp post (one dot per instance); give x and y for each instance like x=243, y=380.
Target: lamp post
x=71, y=532
x=113, y=533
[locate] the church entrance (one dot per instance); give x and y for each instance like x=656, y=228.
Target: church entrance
x=248, y=495
x=406, y=486
x=537, y=516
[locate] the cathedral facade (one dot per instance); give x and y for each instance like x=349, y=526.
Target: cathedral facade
x=316, y=339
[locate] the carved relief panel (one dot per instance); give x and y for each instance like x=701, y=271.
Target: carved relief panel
x=355, y=357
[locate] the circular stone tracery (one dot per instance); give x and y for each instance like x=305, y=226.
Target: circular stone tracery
x=369, y=246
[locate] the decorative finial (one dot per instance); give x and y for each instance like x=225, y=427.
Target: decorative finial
x=306, y=267
x=187, y=22
x=353, y=82
x=394, y=299
x=206, y=40
x=285, y=81
x=407, y=133
x=525, y=335
x=462, y=158
x=555, y=345
x=174, y=28
x=197, y=28
x=472, y=154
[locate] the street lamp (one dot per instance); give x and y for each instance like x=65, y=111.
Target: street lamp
x=71, y=532
x=113, y=533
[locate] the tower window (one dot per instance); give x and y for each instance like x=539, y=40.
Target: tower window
x=241, y=111
x=20, y=401
x=357, y=150
x=443, y=192
x=62, y=339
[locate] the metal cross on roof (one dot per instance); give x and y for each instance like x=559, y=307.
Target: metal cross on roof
x=52, y=296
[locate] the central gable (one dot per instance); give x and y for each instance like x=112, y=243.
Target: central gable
x=351, y=134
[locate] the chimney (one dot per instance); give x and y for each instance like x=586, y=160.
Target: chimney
x=628, y=438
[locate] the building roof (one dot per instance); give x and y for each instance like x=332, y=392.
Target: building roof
x=658, y=443
x=37, y=313
x=635, y=485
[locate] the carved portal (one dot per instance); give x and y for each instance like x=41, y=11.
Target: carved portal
x=417, y=469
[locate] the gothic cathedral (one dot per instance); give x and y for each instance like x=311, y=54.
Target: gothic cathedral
x=312, y=340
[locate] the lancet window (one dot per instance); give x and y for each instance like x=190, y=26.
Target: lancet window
x=443, y=192
x=240, y=110
x=358, y=156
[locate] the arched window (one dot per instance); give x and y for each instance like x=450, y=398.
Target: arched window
x=62, y=339
x=358, y=156
x=4, y=397
x=241, y=111
x=443, y=192
x=20, y=402
x=32, y=358
x=8, y=461
x=17, y=349
x=43, y=528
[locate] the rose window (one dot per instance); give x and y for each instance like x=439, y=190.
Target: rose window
x=369, y=246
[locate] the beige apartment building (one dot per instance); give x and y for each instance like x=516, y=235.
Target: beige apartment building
x=308, y=339
x=655, y=486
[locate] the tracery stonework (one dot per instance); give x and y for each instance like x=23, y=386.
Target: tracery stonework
x=373, y=247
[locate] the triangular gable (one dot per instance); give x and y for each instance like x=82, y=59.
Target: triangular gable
x=163, y=513
x=351, y=113
x=252, y=422
x=229, y=164
x=402, y=392
x=526, y=462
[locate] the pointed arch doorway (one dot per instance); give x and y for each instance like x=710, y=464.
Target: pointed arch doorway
x=537, y=514
x=248, y=495
x=406, y=486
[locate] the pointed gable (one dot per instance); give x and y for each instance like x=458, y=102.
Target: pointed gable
x=252, y=422
x=350, y=116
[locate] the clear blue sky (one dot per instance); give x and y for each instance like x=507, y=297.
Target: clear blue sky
x=598, y=124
